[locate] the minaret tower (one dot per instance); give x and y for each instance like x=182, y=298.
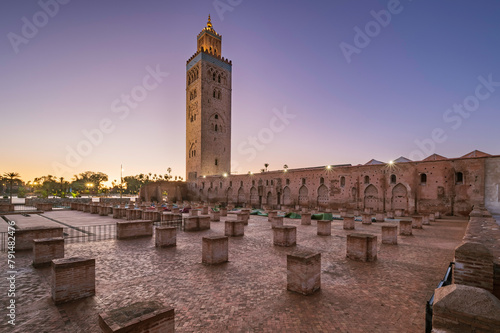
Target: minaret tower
x=208, y=108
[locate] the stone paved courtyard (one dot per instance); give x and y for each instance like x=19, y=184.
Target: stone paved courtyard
x=247, y=294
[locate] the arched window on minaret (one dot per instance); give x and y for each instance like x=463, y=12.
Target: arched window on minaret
x=219, y=79
x=213, y=76
x=216, y=127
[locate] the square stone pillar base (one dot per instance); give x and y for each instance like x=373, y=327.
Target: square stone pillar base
x=214, y=249
x=390, y=234
x=165, y=236
x=303, y=272
x=362, y=247
x=234, y=228
x=324, y=228
x=285, y=235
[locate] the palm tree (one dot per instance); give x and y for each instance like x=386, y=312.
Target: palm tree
x=285, y=167
x=12, y=176
x=266, y=165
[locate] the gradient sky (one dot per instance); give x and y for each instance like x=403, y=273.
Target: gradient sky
x=286, y=55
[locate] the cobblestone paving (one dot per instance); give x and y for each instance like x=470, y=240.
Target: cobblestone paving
x=248, y=294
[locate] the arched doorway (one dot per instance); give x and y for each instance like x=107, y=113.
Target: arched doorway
x=287, y=197
x=241, y=196
x=323, y=198
x=229, y=195
x=254, y=196
x=303, y=196
x=371, y=197
x=400, y=197
x=269, y=199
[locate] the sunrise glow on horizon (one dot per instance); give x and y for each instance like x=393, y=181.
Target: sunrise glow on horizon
x=103, y=84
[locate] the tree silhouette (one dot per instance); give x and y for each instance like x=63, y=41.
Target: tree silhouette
x=266, y=165
x=12, y=176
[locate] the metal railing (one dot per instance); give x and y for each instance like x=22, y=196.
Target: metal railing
x=446, y=281
x=91, y=233
x=24, y=208
x=3, y=241
x=175, y=223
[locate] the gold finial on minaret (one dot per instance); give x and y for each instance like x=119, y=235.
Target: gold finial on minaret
x=209, y=23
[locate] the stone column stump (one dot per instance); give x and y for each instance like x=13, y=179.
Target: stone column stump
x=215, y=216
x=285, y=235
x=214, y=249
x=390, y=234
x=349, y=223
x=165, y=236
x=47, y=249
x=324, y=228
x=366, y=218
x=416, y=222
x=379, y=217
x=362, y=247
x=271, y=214
x=72, y=279
x=405, y=228
x=303, y=272
x=277, y=221
x=234, y=228
x=305, y=219
x=139, y=317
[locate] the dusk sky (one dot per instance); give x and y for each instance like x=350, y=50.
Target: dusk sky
x=362, y=79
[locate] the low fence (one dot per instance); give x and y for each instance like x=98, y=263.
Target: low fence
x=90, y=233
x=446, y=281
x=93, y=233
x=174, y=223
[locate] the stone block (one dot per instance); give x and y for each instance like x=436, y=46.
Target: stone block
x=379, y=217
x=362, y=247
x=25, y=236
x=165, y=236
x=193, y=212
x=390, y=234
x=271, y=214
x=303, y=272
x=223, y=211
x=196, y=223
x=134, y=229
x=416, y=222
x=432, y=217
x=204, y=210
x=366, y=218
x=72, y=279
x=405, y=228
x=46, y=249
x=305, y=219
x=103, y=211
x=368, y=210
x=285, y=235
x=437, y=215
x=277, y=221
x=460, y=308
x=348, y=222
x=399, y=212
x=474, y=266
x=425, y=220
x=139, y=317
x=324, y=228
x=390, y=215
x=94, y=209
x=215, y=216
x=214, y=249
x=234, y=228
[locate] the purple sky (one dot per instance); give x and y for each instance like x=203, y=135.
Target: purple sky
x=396, y=89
